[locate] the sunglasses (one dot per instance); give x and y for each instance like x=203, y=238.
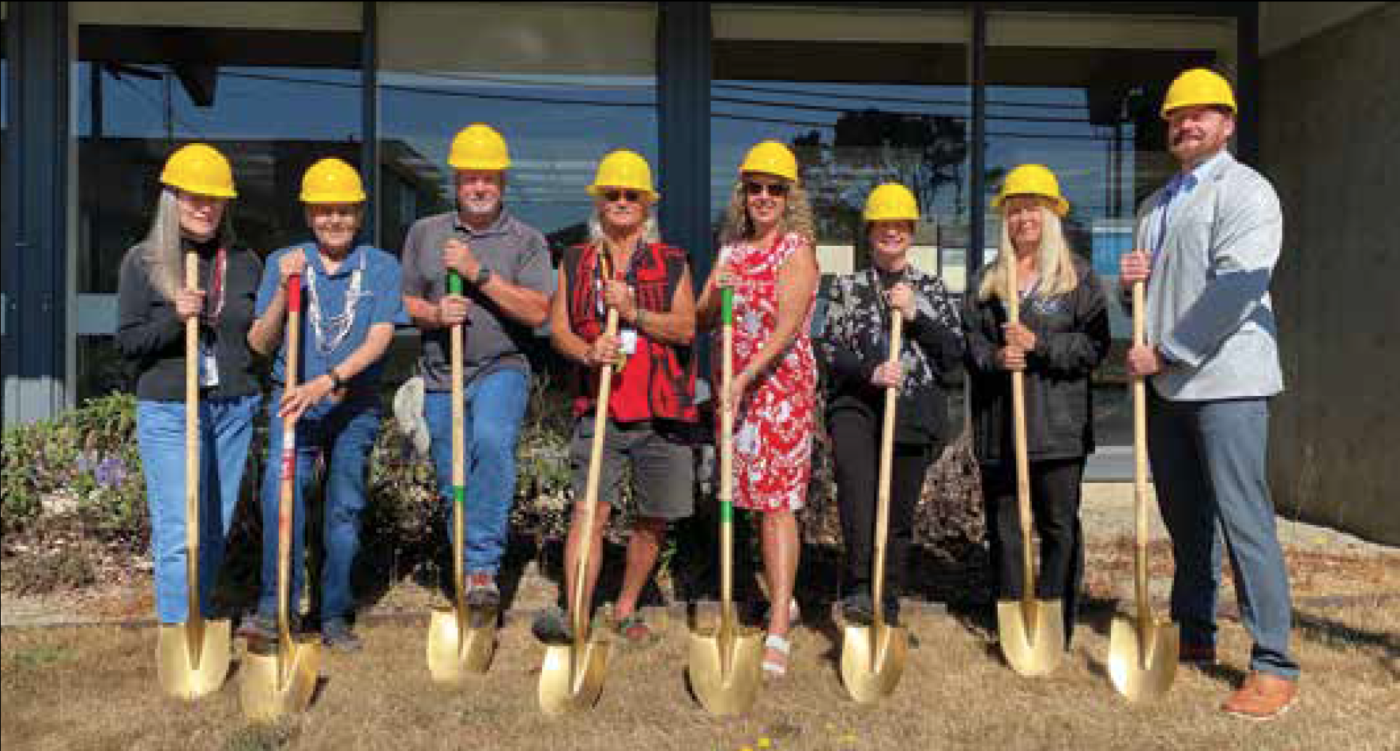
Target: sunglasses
x=777, y=190
x=614, y=196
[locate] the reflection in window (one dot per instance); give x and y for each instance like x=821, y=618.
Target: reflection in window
x=564, y=84
x=859, y=107
x=1081, y=95
x=272, y=101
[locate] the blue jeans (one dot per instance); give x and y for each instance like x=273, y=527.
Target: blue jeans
x=495, y=407
x=344, y=434
x=1209, y=465
x=225, y=428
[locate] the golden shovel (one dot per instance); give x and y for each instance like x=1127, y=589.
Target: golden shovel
x=572, y=676
x=725, y=664
x=192, y=658
x=460, y=639
x=280, y=683
x=1143, y=651
x=873, y=657
x=1031, y=631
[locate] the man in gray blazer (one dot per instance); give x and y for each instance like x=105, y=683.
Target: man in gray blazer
x=1206, y=246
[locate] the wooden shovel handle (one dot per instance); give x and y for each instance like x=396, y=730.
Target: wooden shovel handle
x=882, y=497
x=1018, y=421
x=459, y=469
x=287, y=500
x=1140, y=461
x=192, y=445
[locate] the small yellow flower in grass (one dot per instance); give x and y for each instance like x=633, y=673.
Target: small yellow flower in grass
x=765, y=743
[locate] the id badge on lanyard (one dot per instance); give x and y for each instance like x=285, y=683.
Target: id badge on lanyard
x=208, y=367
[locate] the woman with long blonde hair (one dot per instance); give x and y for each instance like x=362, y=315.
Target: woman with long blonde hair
x=1061, y=337
x=769, y=261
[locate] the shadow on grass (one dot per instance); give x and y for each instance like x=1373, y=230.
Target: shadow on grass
x=1332, y=633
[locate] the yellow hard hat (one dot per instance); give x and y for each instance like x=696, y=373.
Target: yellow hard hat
x=1032, y=180
x=771, y=158
x=199, y=168
x=623, y=169
x=891, y=202
x=479, y=146
x=1197, y=87
x=332, y=181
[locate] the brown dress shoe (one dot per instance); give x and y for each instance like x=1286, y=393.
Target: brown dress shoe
x=1262, y=697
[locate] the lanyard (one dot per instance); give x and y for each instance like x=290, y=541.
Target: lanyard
x=330, y=331
x=216, y=289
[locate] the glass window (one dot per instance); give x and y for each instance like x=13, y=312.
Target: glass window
x=564, y=83
x=1080, y=94
x=862, y=99
x=273, y=87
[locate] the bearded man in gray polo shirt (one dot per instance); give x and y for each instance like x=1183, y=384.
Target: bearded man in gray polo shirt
x=505, y=265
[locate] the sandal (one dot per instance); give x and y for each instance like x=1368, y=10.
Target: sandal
x=635, y=630
x=783, y=647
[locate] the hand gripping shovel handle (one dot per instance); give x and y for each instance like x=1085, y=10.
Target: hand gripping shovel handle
x=192, y=447
x=287, y=500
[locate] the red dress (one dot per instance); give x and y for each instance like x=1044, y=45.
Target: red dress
x=774, y=425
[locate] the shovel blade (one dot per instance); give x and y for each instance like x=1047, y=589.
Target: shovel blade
x=456, y=647
x=572, y=677
x=872, y=661
x=720, y=691
x=192, y=659
x=274, y=686
x=1142, y=658
x=1032, y=635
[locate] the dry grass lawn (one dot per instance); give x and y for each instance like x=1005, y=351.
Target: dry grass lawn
x=95, y=688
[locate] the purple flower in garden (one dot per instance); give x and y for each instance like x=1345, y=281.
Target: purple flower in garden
x=111, y=472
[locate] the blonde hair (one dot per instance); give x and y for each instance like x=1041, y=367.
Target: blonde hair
x=1054, y=261
x=796, y=218
x=161, y=251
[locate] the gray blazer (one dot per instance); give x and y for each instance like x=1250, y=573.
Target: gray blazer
x=1208, y=304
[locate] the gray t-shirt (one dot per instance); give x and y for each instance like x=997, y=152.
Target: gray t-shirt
x=512, y=251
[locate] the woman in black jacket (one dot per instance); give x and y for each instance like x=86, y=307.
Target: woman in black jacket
x=854, y=353
x=1062, y=336
x=153, y=304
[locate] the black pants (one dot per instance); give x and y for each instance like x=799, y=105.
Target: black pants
x=1055, y=494
x=855, y=436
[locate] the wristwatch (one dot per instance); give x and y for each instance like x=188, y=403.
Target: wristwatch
x=335, y=379
x=483, y=275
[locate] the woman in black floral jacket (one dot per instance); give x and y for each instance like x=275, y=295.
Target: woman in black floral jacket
x=854, y=352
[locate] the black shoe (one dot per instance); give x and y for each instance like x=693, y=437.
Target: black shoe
x=336, y=635
x=858, y=609
x=258, y=627
x=892, y=611
x=551, y=626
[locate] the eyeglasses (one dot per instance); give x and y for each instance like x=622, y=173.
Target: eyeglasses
x=614, y=196
x=777, y=190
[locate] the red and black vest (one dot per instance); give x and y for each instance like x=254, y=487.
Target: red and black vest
x=658, y=381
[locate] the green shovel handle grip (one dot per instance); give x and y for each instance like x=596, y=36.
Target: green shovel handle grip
x=454, y=283
x=727, y=306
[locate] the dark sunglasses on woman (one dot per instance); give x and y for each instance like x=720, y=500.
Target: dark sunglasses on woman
x=777, y=190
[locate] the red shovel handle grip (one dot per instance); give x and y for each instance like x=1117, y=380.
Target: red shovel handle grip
x=294, y=293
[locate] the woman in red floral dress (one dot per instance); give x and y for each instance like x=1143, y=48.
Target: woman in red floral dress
x=769, y=260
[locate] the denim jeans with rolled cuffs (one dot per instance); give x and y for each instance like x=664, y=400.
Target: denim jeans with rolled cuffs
x=225, y=429
x=495, y=407
x=343, y=434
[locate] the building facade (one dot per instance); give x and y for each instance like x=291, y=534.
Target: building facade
x=945, y=97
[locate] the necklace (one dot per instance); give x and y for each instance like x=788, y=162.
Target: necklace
x=330, y=331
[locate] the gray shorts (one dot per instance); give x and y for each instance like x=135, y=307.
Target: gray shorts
x=662, y=465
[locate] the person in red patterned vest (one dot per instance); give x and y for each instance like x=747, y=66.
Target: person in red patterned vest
x=625, y=267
